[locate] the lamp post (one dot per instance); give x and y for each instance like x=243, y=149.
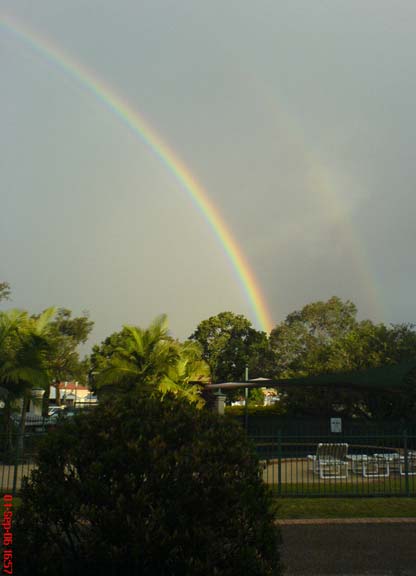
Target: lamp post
x=219, y=402
x=246, y=400
x=5, y=408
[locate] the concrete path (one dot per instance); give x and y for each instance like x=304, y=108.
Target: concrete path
x=364, y=547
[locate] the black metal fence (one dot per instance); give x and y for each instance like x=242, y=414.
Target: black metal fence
x=272, y=424
x=292, y=465
x=17, y=459
x=364, y=465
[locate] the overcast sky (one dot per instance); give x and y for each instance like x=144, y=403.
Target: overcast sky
x=297, y=117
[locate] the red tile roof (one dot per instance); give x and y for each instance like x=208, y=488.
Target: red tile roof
x=71, y=386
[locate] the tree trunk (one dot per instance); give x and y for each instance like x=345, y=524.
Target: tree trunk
x=7, y=426
x=58, y=394
x=22, y=424
x=45, y=401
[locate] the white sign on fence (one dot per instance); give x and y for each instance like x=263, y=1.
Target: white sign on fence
x=336, y=425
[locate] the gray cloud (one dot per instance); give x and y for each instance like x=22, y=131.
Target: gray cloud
x=297, y=118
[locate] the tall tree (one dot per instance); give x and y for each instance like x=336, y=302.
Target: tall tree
x=148, y=360
x=325, y=337
x=33, y=353
x=11, y=385
x=187, y=373
x=23, y=350
x=303, y=342
x=372, y=345
x=66, y=334
x=102, y=353
x=4, y=291
x=230, y=343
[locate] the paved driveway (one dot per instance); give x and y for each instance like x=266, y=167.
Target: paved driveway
x=350, y=548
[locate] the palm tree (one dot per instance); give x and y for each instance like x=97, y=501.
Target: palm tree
x=185, y=377
x=11, y=386
x=23, y=346
x=150, y=360
x=31, y=367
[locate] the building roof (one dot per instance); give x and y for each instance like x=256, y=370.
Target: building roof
x=66, y=387
x=71, y=386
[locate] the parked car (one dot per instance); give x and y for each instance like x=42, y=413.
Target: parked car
x=55, y=410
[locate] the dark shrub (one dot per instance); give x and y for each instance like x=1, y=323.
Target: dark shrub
x=145, y=486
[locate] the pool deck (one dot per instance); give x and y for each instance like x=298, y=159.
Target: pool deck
x=299, y=471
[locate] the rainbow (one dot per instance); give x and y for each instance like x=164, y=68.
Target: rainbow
x=321, y=180
x=137, y=124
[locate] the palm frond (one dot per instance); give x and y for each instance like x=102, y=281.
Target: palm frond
x=41, y=324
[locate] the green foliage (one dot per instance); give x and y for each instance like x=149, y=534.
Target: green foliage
x=146, y=486
x=4, y=291
x=23, y=349
x=34, y=350
x=303, y=342
x=78, y=328
x=149, y=360
x=256, y=397
x=229, y=343
x=65, y=336
x=102, y=353
x=325, y=337
x=253, y=410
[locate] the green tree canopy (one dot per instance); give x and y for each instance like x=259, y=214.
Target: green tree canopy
x=66, y=333
x=326, y=337
x=150, y=360
x=38, y=349
x=303, y=342
x=24, y=347
x=4, y=291
x=230, y=343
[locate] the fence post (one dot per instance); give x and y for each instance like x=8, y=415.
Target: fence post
x=406, y=463
x=16, y=464
x=246, y=400
x=279, y=463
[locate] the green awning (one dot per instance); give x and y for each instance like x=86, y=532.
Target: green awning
x=391, y=377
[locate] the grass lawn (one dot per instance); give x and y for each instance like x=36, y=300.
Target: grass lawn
x=287, y=508
x=356, y=487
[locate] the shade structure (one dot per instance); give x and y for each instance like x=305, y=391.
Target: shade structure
x=388, y=377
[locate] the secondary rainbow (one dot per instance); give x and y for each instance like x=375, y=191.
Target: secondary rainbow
x=137, y=124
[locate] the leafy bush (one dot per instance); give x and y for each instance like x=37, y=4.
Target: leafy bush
x=146, y=486
x=274, y=409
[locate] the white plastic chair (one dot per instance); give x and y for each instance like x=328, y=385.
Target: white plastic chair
x=330, y=460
